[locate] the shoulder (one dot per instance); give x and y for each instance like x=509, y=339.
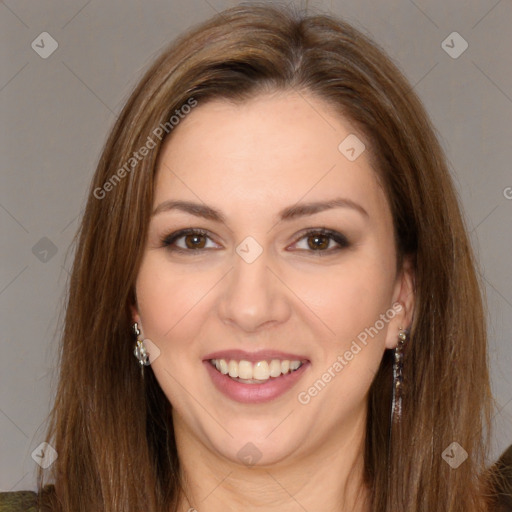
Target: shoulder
x=501, y=471
x=19, y=501
x=28, y=501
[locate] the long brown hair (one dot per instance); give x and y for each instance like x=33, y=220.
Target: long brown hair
x=113, y=431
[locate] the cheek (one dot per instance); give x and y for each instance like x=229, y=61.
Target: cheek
x=352, y=304
x=165, y=297
x=349, y=299
x=170, y=306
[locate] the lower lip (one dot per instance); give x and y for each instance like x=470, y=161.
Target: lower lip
x=254, y=393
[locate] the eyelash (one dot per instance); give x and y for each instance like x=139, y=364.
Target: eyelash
x=340, y=239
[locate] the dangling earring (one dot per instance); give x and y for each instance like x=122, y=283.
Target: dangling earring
x=140, y=350
x=396, y=405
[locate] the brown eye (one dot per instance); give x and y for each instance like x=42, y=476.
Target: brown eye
x=187, y=240
x=322, y=241
x=316, y=242
x=194, y=241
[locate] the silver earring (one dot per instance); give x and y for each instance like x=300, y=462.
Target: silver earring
x=140, y=349
x=398, y=363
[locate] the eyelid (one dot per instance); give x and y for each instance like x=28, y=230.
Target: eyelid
x=176, y=235
x=333, y=235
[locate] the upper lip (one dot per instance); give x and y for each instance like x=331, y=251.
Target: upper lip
x=254, y=357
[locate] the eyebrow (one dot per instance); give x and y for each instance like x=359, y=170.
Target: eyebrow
x=288, y=213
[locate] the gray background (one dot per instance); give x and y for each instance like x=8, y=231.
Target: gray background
x=56, y=113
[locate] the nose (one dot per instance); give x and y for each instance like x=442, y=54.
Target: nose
x=254, y=298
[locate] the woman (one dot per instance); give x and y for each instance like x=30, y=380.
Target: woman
x=273, y=232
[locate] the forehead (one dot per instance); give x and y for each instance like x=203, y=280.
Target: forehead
x=267, y=152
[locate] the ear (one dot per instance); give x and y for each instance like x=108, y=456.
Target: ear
x=403, y=303
x=135, y=316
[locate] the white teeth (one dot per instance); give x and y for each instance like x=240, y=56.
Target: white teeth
x=233, y=369
x=294, y=365
x=245, y=370
x=275, y=368
x=223, y=366
x=261, y=370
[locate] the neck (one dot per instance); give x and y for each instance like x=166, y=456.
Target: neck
x=328, y=478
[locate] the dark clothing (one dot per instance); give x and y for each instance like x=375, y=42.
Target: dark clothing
x=26, y=501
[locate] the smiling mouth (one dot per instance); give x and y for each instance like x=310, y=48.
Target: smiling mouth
x=258, y=372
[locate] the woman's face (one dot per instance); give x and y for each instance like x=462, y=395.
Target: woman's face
x=262, y=289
